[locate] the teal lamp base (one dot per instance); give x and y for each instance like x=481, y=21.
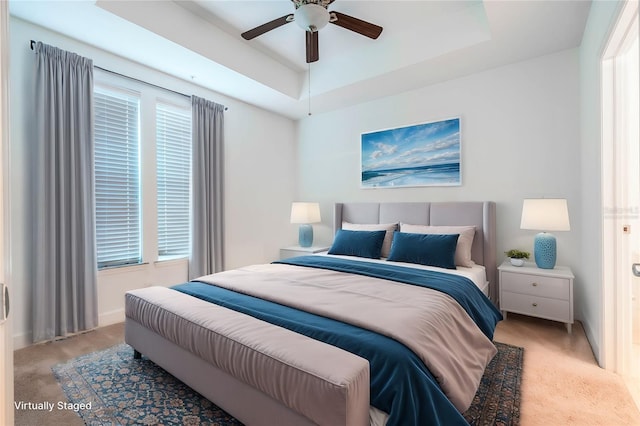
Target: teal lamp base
x=544, y=250
x=305, y=235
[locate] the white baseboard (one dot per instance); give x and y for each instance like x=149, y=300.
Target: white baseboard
x=593, y=341
x=111, y=317
x=22, y=340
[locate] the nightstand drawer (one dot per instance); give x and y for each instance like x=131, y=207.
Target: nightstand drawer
x=541, y=307
x=535, y=285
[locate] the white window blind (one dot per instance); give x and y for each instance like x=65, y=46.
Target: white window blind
x=117, y=178
x=173, y=150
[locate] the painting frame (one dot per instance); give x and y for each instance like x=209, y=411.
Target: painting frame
x=427, y=154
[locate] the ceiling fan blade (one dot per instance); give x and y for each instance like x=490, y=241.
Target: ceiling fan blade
x=359, y=26
x=313, y=53
x=271, y=25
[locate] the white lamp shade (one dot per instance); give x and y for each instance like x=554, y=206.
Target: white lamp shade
x=305, y=213
x=545, y=214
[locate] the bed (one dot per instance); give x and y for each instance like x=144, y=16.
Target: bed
x=340, y=338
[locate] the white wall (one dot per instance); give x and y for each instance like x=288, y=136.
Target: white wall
x=259, y=180
x=520, y=138
x=601, y=19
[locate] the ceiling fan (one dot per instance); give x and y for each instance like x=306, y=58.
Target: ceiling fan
x=311, y=16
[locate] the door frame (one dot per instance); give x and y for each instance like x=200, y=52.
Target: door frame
x=6, y=334
x=619, y=211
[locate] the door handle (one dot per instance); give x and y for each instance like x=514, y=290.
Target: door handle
x=4, y=302
x=635, y=268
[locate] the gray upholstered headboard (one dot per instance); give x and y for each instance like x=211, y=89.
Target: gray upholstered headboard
x=481, y=214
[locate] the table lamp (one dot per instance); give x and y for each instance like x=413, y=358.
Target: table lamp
x=305, y=214
x=545, y=214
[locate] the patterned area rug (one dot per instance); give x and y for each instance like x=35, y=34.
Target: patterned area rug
x=497, y=401
x=125, y=391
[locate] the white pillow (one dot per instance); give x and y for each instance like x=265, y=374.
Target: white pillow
x=465, y=240
x=389, y=227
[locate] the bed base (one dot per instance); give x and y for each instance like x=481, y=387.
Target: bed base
x=259, y=373
x=230, y=394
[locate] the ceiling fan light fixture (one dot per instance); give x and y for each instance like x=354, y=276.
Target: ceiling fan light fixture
x=311, y=17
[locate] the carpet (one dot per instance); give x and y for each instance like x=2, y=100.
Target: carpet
x=111, y=387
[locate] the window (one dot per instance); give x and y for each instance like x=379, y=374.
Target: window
x=117, y=178
x=173, y=152
x=142, y=172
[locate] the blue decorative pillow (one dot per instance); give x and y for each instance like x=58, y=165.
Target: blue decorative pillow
x=358, y=243
x=426, y=249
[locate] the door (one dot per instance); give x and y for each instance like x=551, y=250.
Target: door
x=631, y=58
x=631, y=63
x=621, y=198
x=6, y=336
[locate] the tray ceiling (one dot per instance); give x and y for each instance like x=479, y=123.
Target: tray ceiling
x=423, y=42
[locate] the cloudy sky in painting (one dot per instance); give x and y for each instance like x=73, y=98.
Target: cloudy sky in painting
x=412, y=146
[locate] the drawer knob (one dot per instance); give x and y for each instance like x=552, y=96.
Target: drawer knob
x=534, y=284
x=534, y=304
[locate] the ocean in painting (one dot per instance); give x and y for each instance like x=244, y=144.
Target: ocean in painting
x=426, y=154
x=437, y=174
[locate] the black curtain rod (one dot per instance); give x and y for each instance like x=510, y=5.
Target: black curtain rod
x=33, y=43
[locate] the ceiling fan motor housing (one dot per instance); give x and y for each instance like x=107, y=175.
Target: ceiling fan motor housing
x=311, y=17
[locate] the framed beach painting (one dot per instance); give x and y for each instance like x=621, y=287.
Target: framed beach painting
x=426, y=154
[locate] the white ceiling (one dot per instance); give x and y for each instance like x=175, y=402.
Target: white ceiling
x=423, y=42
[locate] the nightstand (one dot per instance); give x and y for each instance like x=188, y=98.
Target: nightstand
x=542, y=293
x=294, y=251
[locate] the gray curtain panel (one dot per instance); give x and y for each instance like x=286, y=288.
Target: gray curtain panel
x=64, y=291
x=206, y=187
